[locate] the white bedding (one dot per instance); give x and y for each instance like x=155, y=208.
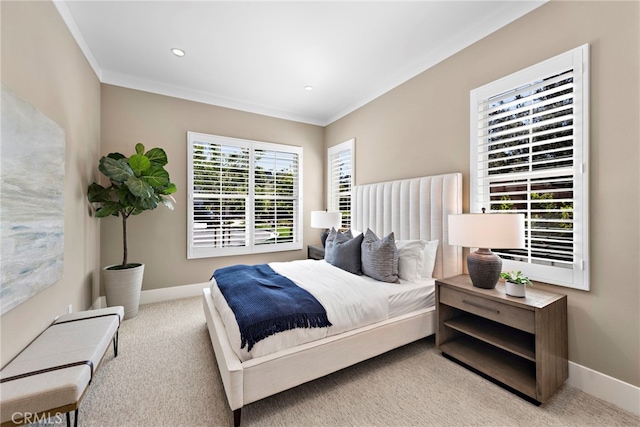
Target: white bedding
x=351, y=301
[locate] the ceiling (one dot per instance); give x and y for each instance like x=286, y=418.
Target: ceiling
x=259, y=56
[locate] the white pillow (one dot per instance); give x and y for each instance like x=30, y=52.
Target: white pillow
x=430, y=252
x=410, y=259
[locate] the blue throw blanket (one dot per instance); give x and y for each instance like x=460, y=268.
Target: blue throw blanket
x=265, y=302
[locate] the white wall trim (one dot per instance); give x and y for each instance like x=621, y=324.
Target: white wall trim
x=159, y=295
x=100, y=302
x=602, y=386
x=77, y=35
x=612, y=390
x=122, y=80
x=174, y=292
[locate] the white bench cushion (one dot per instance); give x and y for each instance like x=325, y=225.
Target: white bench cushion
x=61, y=343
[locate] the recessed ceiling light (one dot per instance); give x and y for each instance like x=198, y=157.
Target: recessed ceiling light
x=177, y=52
x=308, y=88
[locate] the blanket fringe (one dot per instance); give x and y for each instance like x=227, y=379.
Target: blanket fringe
x=261, y=330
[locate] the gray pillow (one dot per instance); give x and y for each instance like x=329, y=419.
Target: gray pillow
x=380, y=257
x=328, y=245
x=346, y=253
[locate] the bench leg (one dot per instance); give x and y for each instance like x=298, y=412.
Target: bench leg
x=115, y=344
x=75, y=419
x=236, y=417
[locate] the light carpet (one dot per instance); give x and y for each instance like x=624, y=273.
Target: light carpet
x=165, y=375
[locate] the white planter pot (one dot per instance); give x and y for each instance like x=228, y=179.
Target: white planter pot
x=515, y=290
x=122, y=287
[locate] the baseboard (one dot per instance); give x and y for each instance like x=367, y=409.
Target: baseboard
x=159, y=295
x=609, y=389
x=612, y=390
x=174, y=292
x=100, y=302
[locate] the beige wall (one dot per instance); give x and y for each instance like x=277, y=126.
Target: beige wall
x=159, y=238
x=43, y=65
x=422, y=128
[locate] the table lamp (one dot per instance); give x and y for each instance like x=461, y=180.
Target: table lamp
x=484, y=231
x=325, y=220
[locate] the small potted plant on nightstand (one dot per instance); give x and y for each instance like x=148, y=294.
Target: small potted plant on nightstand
x=515, y=283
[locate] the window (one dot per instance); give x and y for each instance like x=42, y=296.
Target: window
x=529, y=150
x=244, y=196
x=340, y=180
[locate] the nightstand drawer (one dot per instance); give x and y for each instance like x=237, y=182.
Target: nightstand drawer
x=518, y=318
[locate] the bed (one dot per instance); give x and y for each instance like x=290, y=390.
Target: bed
x=414, y=208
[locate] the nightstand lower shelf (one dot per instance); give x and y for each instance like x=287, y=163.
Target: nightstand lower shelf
x=501, y=365
x=505, y=337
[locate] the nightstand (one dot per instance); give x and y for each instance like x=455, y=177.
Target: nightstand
x=517, y=342
x=315, y=252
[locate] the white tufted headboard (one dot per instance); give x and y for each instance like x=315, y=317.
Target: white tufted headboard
x=414, y=208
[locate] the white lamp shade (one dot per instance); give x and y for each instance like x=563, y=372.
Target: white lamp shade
x=487, y=230
x=326, y=219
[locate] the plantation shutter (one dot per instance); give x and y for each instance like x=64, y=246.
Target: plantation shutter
x=340, y=180
x=244, y=196
x=528, y=155
x=276, y=199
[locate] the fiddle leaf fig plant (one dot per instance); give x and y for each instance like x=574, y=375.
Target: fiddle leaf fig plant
x=137, y=183
x=516, y=277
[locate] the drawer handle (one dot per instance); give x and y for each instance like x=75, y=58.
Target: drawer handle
x=473, y=304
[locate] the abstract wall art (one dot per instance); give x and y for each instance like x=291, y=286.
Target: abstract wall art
x=32, y=157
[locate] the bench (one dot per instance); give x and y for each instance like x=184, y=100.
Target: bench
x=52, y=374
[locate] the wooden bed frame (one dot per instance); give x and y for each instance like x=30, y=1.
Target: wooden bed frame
x=413, y=209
